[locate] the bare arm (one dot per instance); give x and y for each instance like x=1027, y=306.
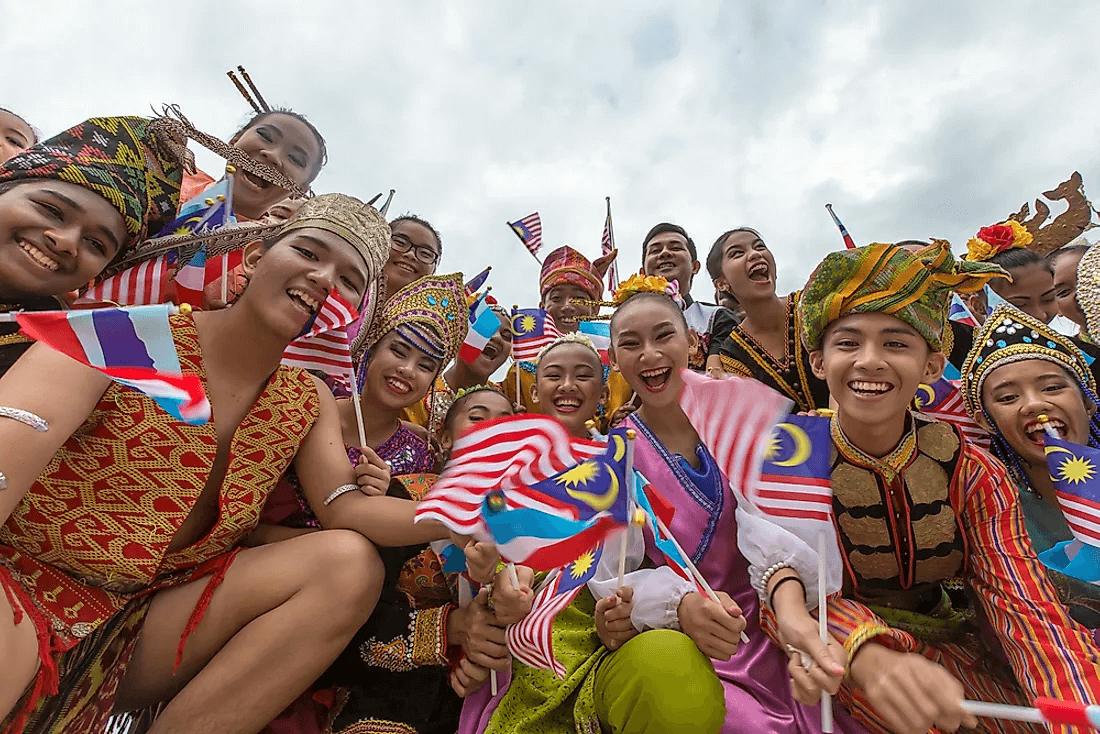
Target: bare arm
x=322, y=465
x=56, y=388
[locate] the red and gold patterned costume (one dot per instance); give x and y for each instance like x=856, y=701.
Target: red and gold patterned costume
x=91, y=536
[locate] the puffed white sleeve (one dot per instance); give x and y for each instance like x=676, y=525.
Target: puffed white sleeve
x=657, y=591
x=765, y=544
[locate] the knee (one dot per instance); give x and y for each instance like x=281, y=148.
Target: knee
x=349, y=572
x=700, y=698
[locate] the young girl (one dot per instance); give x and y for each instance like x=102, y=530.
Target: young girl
x=461, y=375
x=415, y=250
x=394, y=674
x=103, y=591
x=765, y=345
x=1018, y=370
x=1031, y=288
x=941, y=587
x=650, y=344
x=74, y=204
x=16, y=135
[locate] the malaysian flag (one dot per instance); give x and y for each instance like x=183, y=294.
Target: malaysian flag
x=144, y=284
x=607, y=245
x=507, y=454
x=944, y=402
x=531, y=640
x=532, y=330
x=734, y=418
x=529, y=231
x=1075, y=470
x=328, y=352
x=133, y=346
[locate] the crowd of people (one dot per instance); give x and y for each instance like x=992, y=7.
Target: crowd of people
x=263, y=571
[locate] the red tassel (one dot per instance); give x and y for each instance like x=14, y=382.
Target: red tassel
x=48, y=677
x=201, y=606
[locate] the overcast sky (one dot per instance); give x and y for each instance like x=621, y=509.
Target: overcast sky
x=914, y=119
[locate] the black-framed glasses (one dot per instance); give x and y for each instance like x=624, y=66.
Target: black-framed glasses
x=423, y=253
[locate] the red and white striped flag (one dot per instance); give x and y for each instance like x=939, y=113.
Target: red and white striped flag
x=531, y=640
x=944, y=402
x=734, y=418
x=607, y=244
x=508, y=454
x=144, y=284
x=335, y=313
x=328, y=352
x=529, y=231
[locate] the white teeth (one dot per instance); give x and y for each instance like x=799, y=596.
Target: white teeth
x=654, y=372
x=398, y=385
x=571, y=402
x=305, y=297
x=1036, y=427
x=39, y=257
x=863, y=386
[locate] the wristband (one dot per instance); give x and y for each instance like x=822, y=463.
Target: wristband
x=780, y=582
x=342, y=489
x=860, y=636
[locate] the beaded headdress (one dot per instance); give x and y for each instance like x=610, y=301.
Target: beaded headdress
x=573, y=337
x=1088, y=289
x=566, y=266
x=132, y=162
x=430, y=313
x=632, y=286
x=1010, y=335
x=993, y=240
x=879, y=278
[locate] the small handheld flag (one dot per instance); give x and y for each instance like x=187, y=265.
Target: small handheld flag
x=132, y=346
x=848, y=241
x=484, y=324
x=532, y=329
x=142, y=285
x=191, y=279
x=599, y=333
x=386, y=206
x=607, y=245
x=529, y=231
x=209, y=210
x=960, y=313
x=944, y=402
x=1075, y=471
x=473, y=285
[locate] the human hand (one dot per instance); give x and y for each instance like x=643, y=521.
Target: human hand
x=512, y=604
x=466, y=678
x=715, y=627
x=911, y=693
x=481, y=557
x=620, y=415
x=613, y=623
x=519, y=408
x=814, y=666
x=372, y=474
x=485, y=643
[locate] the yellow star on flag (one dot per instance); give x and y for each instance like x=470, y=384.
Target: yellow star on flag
x=1076, y=470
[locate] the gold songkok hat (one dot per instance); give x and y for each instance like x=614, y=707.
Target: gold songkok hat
x=350, y=219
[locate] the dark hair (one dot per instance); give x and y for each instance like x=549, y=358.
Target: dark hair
x=410, y=217
x=449, y=417
x=259, y=117
x=650, y=295
x=714, y=257
x=34, y=131
x=1052, y=257
x=669, y=227
x=1020, y=257
x=564, y=343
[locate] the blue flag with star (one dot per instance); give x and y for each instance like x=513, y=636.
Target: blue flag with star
x=1075, y=472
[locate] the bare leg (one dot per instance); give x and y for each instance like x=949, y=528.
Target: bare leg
x=19, y=651
x=280, y=617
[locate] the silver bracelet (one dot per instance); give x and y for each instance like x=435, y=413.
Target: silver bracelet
x=771, y=572
x=3, y=481
x=342, y=489
x=25, y=417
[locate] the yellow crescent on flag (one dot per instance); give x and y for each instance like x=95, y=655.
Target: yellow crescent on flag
x=926, y=395
x=802, y=446
x=598, y=502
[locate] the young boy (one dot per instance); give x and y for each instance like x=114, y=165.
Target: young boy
x=943, y=597
x=567, y=284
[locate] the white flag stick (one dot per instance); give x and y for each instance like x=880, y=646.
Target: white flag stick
x=823, y=628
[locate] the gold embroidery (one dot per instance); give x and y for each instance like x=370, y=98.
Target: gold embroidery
x=926, y=480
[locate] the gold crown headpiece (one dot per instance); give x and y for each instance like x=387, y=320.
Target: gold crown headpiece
x=430, y=313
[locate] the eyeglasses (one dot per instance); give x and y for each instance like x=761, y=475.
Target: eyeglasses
x=423, y=253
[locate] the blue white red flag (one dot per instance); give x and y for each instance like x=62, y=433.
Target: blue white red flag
x=848, y=241
x=532, y=330
x=132, y=346
x=656, y=507
x=507, y=454
x=191, y=279
x=599, y=332
x=484, y=324
x=1075, y=470
x=960, y=313
x=531, y=640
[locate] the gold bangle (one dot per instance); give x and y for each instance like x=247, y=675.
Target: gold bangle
x=860, y=636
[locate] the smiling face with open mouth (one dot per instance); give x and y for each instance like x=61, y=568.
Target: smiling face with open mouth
x=650, y=345
x=1015, y=394
x=667, y=255
x=496, y=351
x=569, y=386
x=748, y=267
x=398, y=374
x=874, y=363
x=55, y=237
x=561, y=302
x=283, y=142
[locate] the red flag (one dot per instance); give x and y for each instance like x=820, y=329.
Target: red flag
x=142, y=285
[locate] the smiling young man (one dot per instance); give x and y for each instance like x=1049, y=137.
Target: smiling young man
x=668, y=251
x=929, y=527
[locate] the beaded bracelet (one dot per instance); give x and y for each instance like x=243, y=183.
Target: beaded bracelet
x=860, y=636
x=780, y=582
x=771, y=571
x=342, y=489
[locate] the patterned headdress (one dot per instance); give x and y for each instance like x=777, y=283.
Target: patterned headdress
x=345, y=216
x=879, y=278
x=132, y=162
x=1010, y=335
x=566, y=266
x=435, y=301
x=994, y=240
x=637, y=283
x=1088, y=289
